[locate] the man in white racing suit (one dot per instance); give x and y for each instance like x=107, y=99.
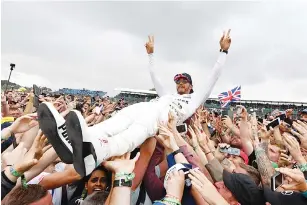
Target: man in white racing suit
x=89, y=146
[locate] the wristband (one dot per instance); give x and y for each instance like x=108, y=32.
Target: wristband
x=171, y=200
x=125, y=176
x=176, y=152
x=221, y=50
x=303, y=167
x=14, y=172
x=171, y=196
x=17, y=174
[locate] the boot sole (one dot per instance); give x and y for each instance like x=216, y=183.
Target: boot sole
x=50, y=128
x=84, y=155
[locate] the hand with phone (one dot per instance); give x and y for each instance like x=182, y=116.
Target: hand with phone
x=301, y=132
x=242, y=112
x=227, y=122
x=298, y=182
x=294, y=148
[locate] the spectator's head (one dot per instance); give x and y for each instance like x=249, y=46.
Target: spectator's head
x=15, y=112
x=99, y=180
x=242, y=158
x=34, y=194
x=9, y=95
x=85, y=107
x=96, y=198
x=303, y=115
x=235, y=141
x=184, y=84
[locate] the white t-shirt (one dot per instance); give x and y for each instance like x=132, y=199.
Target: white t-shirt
x=55, y=193
x=135, y=196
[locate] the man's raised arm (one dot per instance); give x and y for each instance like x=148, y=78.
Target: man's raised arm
x=205, y=90
x=156, y=81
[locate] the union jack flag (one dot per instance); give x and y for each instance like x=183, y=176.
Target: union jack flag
x=233, y=95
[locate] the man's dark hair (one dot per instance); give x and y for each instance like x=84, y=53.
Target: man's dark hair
x=96, y=198
x=22, y=195
x=252, y=172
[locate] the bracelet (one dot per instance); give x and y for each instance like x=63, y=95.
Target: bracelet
x=303, y=167
x=172, y=201
x=14, y=172
x=126, y=176
x=172, y=196
x=221, y=50
x=22, y=176
x=176, y=152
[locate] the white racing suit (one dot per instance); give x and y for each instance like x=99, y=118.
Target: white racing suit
x=134, y=124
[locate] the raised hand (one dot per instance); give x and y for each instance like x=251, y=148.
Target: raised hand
x=36, y=151
x=225, y=40
x=301, y=132
x=167, y=139
x=298, y=182
x=122, y=163
x=24, y=123
x=150, y=44
x=175, y=184
x=193, y=137
x=242, y=112
x=294, y=147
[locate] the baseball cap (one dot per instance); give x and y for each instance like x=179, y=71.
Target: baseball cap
x=244, y=156
x=283, y=198
x=243, y=188
x=304, y=111
x=184, y=76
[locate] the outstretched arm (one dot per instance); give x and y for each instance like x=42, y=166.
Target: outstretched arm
x=203, y=94
x=156, y=81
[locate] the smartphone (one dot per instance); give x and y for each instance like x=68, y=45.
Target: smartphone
x=273, y=124
x=276, y=180
x=182, y=129
x=97, y=110
x=282, y=117
x=260, y=120
x=224, y=113
x=231, y=151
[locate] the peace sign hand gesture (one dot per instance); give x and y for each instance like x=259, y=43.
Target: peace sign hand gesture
x=150, y=44
x=225, y=40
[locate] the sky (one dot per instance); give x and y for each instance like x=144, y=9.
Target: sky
x=100, y=45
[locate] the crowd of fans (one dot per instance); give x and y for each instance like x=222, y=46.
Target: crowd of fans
x=212, y=159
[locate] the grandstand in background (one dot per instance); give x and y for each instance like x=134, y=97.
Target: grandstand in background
x=261, y=107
